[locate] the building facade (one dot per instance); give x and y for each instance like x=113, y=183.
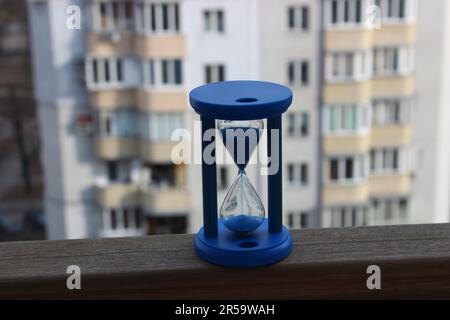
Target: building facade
x=112, y=92
x=368, y=98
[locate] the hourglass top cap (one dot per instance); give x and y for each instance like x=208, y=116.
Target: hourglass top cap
x=240, y=100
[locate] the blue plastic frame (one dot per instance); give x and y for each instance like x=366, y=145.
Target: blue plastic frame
x=242, y=100
x=233, y=250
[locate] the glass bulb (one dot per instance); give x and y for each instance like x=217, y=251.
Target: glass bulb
x=242, y=211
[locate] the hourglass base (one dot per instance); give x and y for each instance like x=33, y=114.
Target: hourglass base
x=253, y=249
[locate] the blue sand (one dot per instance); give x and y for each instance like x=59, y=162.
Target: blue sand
x=242, y=223
x=242, y=136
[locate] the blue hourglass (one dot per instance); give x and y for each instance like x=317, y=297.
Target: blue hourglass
x=243, y=236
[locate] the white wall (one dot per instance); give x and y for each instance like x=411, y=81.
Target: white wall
x=67, y=157
x=278, y=45
x=432, y=114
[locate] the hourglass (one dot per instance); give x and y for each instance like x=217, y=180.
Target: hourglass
x=240, y=235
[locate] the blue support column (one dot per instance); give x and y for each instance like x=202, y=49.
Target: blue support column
x=209, y=183
x=275, y=181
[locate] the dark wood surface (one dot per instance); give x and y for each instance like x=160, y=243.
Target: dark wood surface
x=325, y=263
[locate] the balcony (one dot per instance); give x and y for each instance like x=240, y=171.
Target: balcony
x=393, y=86
x=157, y=151
x=111, y=44
x=118, y=195
x=161, y=202
x=349, y=39
x=339, y=194
x=347, y=144
x=395, y=34
x=158, y=46
x=163, y=101
x=391, y=135
x=324, y=264
x=111, y=99
x=363, y=91
x=115, y=148
x=347, y=92
x=388, y=185
x=360, y=38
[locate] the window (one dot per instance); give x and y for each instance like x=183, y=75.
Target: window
x=138, y=217
x=389, y=160
x=171, y=71
x=223, y=178
x=165, y=72
x=298, y=18
x=349, y=168
x=112, y=16
x=157, y=17
x=214, y=20
x=158, y=126
x=342, y=65
x=342, y=12
x=298, y=73
x=304, y=124
x=119, y=123
x=104, y=124
x=117, y=171
x=169, y=225
x=390, y=111
x=162, y=175
x=122, y=219
x=298, y=220
x=113, y=218
x=303, y=174
x=112, y=171
x=392, y=10
x=403, y=209
x=334, y=168
x=344, y=169
x=119, y=70
x=385, y=60
x=334, y=11
x=104, y=72
x=298, y=124
x=214, y=73
x=390, y=210
x=148, y=72
x=126, y=218
x=297, y=174
x=348, y=65
x=393, y=60
x=346, y=118
x=347, y=216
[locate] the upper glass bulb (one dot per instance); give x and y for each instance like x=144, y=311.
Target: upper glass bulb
x=240, y=139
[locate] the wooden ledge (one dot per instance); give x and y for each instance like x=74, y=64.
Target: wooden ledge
x=325, y=263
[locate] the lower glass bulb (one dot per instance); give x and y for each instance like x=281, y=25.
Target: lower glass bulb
x=242, y=211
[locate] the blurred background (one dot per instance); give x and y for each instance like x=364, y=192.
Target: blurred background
x=91, y=91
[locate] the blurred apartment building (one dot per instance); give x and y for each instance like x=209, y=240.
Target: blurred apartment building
x=362, y=71
x=20, y=173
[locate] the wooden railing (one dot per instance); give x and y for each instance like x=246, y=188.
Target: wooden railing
x=414, y=262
